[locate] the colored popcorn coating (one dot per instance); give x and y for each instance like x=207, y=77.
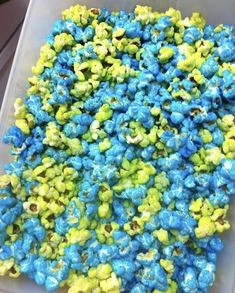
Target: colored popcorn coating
x=124, y=155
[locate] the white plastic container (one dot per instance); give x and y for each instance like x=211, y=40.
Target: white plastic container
x=38, y=23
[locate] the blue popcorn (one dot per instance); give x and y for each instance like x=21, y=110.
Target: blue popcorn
x=60, y=96
x=205, y=279
x=33, y=226
x=73, y=255
x=124, y=268
x=70, y=27
x=107, y=253
x=134, y=194
x=17, y=250
x=138, y=288
x=88, y=191
x=209, y=67
x=9, y=216
x=75, y=162
x=58, y=27
x=14, y=136
x=70, y=218
x=191, y=35
x=189, y=280
x=91, y=210
x=228, y=86
x=149, y=257
x=65, y=57
x=5, y=252
x=145, y=240
x=162, y=23
x=154, y=277
x=27, y=264
x=122, y=239
x=28, y=242
x=169, y=219
x=133, y=85
x=130, y=249
x=226, y=51
x=172, y=162
x=40, y=265
x=133, y=30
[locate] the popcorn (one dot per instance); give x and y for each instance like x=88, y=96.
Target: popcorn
x=123, y=155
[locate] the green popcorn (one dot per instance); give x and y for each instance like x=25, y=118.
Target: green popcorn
x=30, y=120
x=105, y=145
x=15, y=271
x=23, y=125
x=145, y=15
x=197, y=20
x=187, y=50
x=155, y=111
x=104, y=113
x=182, y=95
x=168, y=265
x=118, y=33
x=4, y=180
x=104, y=210
x=103, y=271
x=75, y=146
x=14, y=230
x=102, y=31
x=162, y=236
x=103, y=48
x=47, y=58
x=81, y=89
x=205, y=135
x=188, y=64
x=78, y=14
x=132, y=46
x=206, y=227
x=38, y=69
x=20, y=109
x=161, y=182
x=204, y=47
x=6, y=266
x=105, y=231
x=63, y=40
x=105, y=193
x=165, y=53
x=175, y=15
x=226, y=122
x=229, y=143
x=45, y=250
x=219, y=217
x=43, y=189
x=136, y=226
x=195, y=208
x=85, y=284
x=111, y=285
x=95, y=130
x=144, y=174
x=213, y=156
x=150, y=204
x=207, y=208
x=78, y=236
x=53, y=135
x=199, y=160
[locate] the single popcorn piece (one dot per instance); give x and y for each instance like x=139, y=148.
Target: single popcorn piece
x=123, y=155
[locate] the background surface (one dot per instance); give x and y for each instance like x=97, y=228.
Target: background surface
x=12, y=13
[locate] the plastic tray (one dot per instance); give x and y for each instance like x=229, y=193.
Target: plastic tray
x=38, y=22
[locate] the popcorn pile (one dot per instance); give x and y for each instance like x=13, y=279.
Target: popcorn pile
x=124, y=155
